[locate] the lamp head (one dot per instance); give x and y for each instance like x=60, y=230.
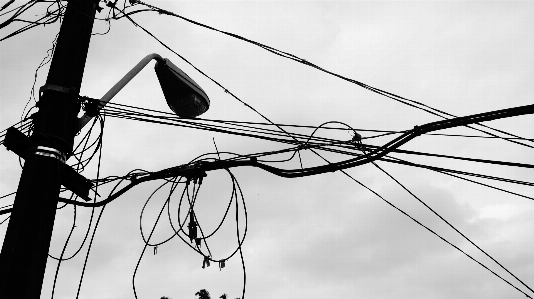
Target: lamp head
x=183, y=95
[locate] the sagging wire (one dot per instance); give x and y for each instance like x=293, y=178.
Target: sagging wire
x=204, y=74
x=19, y=11
x=49, y=18
x=61, y=257
x=173, y=186
x=94, y=232
x=357, y=138
x=400, y=99
x=128, y=109
x=194, y=223
x=128, y=112
x=45, y=61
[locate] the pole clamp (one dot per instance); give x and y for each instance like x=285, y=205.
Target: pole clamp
x=52, y=87
x=49, y=152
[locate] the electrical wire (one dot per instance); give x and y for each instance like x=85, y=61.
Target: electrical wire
x=145, y=111
x=3, y=221
x=146, y=244
x=436, y=234
x=178, y=230
x=92, y=239
x=49, y=18
x=4, y=196
x=193, y=123
x=450, y=225
x=411, y=103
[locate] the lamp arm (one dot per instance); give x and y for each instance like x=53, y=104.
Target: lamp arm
x=82, y=121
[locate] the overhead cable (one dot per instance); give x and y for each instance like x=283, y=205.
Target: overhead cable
x=293, y=57
x=450, y=225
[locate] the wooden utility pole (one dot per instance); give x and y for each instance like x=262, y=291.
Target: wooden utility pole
x=25, y=249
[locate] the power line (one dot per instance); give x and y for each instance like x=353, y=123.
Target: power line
x=293, y=57
x=434, y=233
x=450, y=225
x=194, y=123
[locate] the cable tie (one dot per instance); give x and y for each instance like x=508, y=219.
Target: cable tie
x=198, y=242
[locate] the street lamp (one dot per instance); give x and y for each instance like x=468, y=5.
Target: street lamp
x=183, y=95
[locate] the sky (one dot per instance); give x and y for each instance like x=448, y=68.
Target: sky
x=322, y=236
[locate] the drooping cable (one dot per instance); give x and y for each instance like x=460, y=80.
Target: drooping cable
x=148, y=239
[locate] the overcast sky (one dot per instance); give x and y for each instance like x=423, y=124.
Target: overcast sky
x=322, y=236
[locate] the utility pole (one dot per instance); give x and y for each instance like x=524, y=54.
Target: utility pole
x=25, y=249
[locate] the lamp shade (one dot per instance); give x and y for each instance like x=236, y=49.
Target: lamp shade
x=183, y=95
